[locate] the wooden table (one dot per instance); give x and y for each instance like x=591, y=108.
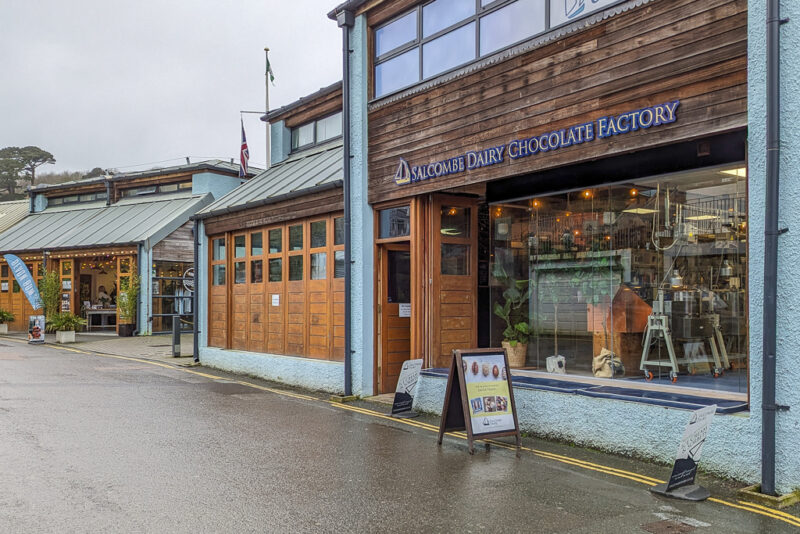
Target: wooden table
x=104, y=314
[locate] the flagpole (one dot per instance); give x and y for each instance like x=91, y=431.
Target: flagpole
x=266, y=85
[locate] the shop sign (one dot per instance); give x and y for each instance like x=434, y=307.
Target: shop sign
x=479, y=397
x=562, y=11
x=690, y=448
x=406, y=387
x=604, y=127
x=24, y=279
x=36, y=329
x=188, y=279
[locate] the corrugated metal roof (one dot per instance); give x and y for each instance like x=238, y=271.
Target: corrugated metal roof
x=137, y=221
x=12, y=212
x=302, y=171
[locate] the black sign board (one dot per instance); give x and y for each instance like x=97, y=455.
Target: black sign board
x=479, y=397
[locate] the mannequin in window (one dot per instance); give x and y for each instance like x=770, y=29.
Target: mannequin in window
x=102, y=297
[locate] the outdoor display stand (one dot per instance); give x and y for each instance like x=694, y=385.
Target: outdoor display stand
x=36, y=329
x=406, y=386
x=479, y=397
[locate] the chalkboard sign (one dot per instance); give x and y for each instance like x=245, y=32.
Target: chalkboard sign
x=479, y=397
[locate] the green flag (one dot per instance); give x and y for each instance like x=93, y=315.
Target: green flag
x=270, y=73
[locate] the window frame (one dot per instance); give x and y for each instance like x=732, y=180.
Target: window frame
x=420, y=41
x=315, y=139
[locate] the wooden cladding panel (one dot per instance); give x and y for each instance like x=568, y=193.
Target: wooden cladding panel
x=311, y=110
x=687, y=50
x=177, y=246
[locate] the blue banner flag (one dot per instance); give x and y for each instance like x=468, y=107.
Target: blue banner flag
x=24, y=279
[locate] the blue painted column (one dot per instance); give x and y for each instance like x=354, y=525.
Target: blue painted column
x=201, y=287
x=361, y=223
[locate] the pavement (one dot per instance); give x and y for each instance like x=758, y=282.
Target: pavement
x=157, y=346
x=104, y=441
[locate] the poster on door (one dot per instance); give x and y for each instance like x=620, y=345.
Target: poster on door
x=486, y=379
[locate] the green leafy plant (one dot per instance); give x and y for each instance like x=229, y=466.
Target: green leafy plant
x=128, y=298
x=50, y=291
x=514, y=309
x=64, y=322
x=6, y=316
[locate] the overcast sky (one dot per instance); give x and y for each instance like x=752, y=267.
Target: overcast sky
x=104, y=83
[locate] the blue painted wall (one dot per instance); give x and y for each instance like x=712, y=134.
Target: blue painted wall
x=280, y=142
x=216, y=184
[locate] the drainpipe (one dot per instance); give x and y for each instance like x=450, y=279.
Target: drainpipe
x=345, y=21
x=195, y=311
x=771, y=233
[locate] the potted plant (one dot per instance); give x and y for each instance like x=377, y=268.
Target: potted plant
x=5, y=318
x=64, y=325
x=514, y=311
x=127, y=303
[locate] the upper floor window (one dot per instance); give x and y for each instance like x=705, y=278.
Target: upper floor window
x=317, y=131
x=153, y=189
x=75, y=199
x=444, y=34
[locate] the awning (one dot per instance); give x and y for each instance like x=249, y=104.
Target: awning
x=129, y=221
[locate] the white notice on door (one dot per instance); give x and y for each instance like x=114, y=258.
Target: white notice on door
x=276, y=300
x=404, y=309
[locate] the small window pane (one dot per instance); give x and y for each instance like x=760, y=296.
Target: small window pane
x=329, y=127
x=66, y=268
x=88, y=197
x=318, y=266
x=295, y=268
x=455, y=259
x=168, y=188
x=338, y=231
x=395, y=222
x=399, y=276
x=511, y=24
x=275, y=241
x=239, y=250
x=296, y=237
x=219, y=275
x=275, y=270
x=256, y=244
x=396, y=73
x=303, y=135
x=318, y=234
x=399, y=32
x=219, y=249
x=256, y=271
x=4, y=271
x=441, y=14
x=455, y=221
x=448, y=51
x=338, y=267
x=239, y=272
x=14, y=286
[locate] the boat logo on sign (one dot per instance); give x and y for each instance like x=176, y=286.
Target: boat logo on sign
x=573, y=8
x=403, y=174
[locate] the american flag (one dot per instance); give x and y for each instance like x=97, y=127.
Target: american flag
x=244, y=155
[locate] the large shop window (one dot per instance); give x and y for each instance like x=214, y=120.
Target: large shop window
x=286, y=293
x=172, y=294
x=445, y=34
x=635, y=281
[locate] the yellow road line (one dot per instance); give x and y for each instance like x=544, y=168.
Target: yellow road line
x=635, y=477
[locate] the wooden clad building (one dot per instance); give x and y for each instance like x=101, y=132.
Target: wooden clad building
x=275, y=246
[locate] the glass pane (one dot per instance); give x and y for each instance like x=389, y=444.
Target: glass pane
x=239, y=272
x=329, y=127
x=4, y=271
x=511, y=24
x=399, y=32
x=219, y=249
x=318, y=234
x=399, y=279
x=66, y=268
x=441, y=14
x=397, y=73
x=125, y=265
x=455, y=259
x=239, y=250
x=395, y=222
x=303, y=135
x=256, y=244
x=296, y=237
x=338, y=231
x=14, y=286
x=318, y=266
x=455, y=221
x=275, y=270
x=295, y=268
x=256, y=271
x=219, y=275
x=448, y=51
x=338, y=267
x=275, y=241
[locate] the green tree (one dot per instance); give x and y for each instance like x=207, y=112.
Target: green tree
x=95, y=173
x=30, y=157
x=10, y=170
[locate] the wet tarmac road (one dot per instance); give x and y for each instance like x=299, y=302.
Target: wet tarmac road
x=91, y=443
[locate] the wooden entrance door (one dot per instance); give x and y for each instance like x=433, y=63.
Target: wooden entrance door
x=394, y=311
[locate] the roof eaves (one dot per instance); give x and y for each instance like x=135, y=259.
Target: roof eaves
x=302, y=100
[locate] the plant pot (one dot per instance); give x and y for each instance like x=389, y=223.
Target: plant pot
x=126, y=330
x=516, y=354
x=3, y=328
x=65, y=336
